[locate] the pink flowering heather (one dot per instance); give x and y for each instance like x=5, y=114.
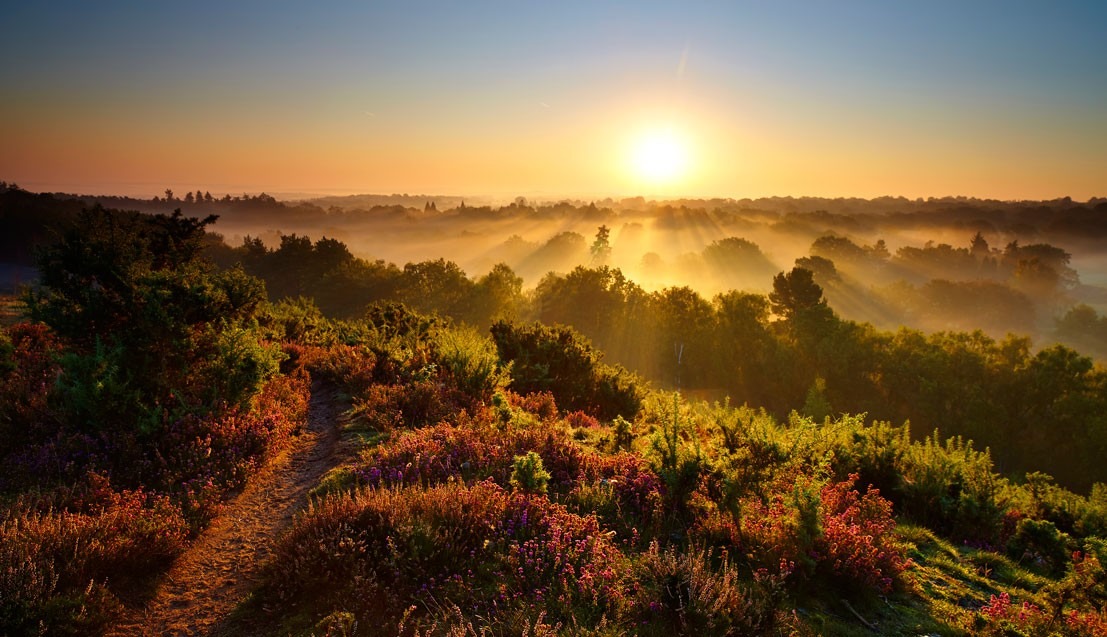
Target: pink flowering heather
x=481, y=547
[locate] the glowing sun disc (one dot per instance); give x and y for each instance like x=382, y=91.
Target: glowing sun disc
x=660, y=156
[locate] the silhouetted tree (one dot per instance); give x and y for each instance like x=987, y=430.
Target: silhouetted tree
x=498, y=295
x=822, y=270
x=795, y=292
x=979, y=246
x=685, y=324
x=737, y=263
x=601, y=246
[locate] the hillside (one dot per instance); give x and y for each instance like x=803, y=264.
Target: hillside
x=502, y=477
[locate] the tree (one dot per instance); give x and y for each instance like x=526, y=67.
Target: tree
x=838, y=249
x=329, y=255
x=436, y=286
x=878, y=250
x=817, y=406
x=561, y=253
x=743, y=344
x=1083, y=328
x=498, y=295
x=794, y=293
x=737, y=263
x=601, y=247
x=822, y=269
x=979, y=246
x=685, y=326
x=589, y=299
x=150, y=326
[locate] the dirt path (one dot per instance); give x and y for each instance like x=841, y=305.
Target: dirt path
x=218, y=571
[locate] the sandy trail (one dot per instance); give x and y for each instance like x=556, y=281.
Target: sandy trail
x=209, y=580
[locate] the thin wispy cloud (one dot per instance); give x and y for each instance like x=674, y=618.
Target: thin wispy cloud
x=683, y=64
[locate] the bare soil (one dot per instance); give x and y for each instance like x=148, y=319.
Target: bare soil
x=216, y=574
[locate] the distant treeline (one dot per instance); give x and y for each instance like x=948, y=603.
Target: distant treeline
x=1060, y=220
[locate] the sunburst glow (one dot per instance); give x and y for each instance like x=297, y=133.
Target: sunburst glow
x=660, y=157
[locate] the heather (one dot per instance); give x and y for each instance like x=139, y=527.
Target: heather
x=506, y=479
x=143, y=395
x=683, y=516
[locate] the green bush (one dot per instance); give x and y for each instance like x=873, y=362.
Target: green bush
x=677, y=463
x=470, y=362
x=240, y=366
x=1038, y=544
x=147, y=323
x=952, y=489
x=528, y=475
x=560, y=361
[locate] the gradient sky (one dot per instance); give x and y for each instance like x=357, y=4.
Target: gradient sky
x=993, y=99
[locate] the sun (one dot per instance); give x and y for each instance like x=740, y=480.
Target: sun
x=659, y=157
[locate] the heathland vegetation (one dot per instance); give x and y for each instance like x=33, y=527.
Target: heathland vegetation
x=565, y=452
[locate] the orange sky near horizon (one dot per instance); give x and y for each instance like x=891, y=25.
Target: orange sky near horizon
x=339, y=104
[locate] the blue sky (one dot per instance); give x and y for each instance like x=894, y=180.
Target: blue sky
x=1005, y=99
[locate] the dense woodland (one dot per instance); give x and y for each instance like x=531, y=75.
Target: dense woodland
x=534, y=454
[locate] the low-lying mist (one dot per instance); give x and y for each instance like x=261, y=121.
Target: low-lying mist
x=935, y=265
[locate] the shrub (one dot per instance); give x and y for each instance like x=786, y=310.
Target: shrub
x=638, y=491
x=28, y=371
x=470, y=363
x=1083, y=587
x=468, y=451
x=560, y=361
x=528, y=475
x=681, y=593
x=541, y=404
x=149, y=324
x=858, y=541
x=581, y=420
x=240, y=366
x=388, y=407
x=351, y=367
x=677, y=465
x=621, y=435
x=1002, y=616
x=952, y=489
x=199, y=458
x=1041, y=544
x=829, y=530
x=482, y=548
x=63, y=570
